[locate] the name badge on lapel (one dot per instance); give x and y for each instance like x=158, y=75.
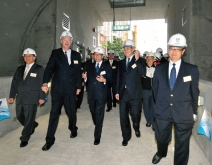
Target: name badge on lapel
x=75, y=62
x=187, y=78
x=133, y=66
x=102, y=73
x=113, y=67
x=33, y=74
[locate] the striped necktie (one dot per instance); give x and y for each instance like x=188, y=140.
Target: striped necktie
x=26, y=71
x=97, y=67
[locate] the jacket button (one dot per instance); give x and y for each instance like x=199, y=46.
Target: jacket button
x=171, y=104
x=172, y=95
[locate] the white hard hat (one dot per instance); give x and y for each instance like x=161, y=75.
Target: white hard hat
x=151, y=54
x=29, y=51
x=110, y=51
x=105, y=57
x=66, y=34
x=159, y=50
x=157, y=55
x=99, y=49
x=166, y=55
x=146, y=52
x=92, y=51
x=116, y=55
x=87, y=56
x=177, y=40
x=129, y=43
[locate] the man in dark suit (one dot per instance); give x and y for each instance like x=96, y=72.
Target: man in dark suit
x=25, y=87
x=111, y=89
x=65, y=66
x=128, y=91
x=175, y=87
x=99, y=77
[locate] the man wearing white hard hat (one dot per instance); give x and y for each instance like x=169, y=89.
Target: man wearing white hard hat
x=148, y=99
x=64, y=71
x=128, y=91
x=111, y=99
x=25, y=88
x=175, y=87
x=99, y=77
x=88, y=57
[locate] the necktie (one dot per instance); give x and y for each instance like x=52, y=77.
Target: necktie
x=111, y=62
x=172, y=77
x=97, y=67
x=65, y=53
x=128, y=61
x=26, y=71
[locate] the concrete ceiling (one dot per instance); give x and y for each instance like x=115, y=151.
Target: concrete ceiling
x=154, y=9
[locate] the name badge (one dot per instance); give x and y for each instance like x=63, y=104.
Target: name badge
x=33, y=74
x=133, y=66
x=187, y=78
x=102, y=73
x=75, y=62
x=113, y=67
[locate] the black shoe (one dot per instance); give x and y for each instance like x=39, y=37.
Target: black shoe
x=124, y=142
x=156, y=158
x=35, y=126
x=23, y=143
x=148, y=125
x=114, y=105
x=47, y=146
x=73, y=134
x=138, y=134
x=96, y=141
x=108, y=110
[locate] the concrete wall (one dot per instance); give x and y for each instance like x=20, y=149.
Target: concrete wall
x=204, y=143
x=12, y=123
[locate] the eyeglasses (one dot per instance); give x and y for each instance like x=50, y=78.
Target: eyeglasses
x=176, y=50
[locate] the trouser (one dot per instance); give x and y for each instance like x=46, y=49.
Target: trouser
x=135, y=109
x=97, y=109
x=69, y=101
x=148, y=106
x=163, y=133
x=25, y=114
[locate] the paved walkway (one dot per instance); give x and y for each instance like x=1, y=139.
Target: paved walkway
x=81, y=151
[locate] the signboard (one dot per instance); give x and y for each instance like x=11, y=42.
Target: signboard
x=121, y=27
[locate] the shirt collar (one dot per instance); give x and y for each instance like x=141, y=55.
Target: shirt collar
x=177, y=63
x=100, y=63
x=67, y=51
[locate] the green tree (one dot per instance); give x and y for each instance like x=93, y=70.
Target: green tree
x=116, y=45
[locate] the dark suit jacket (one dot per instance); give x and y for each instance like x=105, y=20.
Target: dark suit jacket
x=98, y=90
x=66, y=78
x=182, y=100
x=131, y=78
x=114, y=73
x=28, y=91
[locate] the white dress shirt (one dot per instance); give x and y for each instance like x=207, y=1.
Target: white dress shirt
x=68, y=55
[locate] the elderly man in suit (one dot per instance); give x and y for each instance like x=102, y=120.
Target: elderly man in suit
x=65, y=66
x=25, y=87
x=128, y=91
x=99, y=77
x=175, y=87
x=111, y=99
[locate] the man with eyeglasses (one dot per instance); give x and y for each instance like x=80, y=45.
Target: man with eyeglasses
x=175, y=87
x=99, y=77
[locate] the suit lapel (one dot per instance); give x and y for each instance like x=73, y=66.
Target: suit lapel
x=32, y=69
x=22, y=71
x=62, y=58
x=130, y=63
x=166, y=75
x=72, y=55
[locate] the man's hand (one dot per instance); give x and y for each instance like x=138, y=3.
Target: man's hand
x=137, y=54
x=117, y=96
x=195, y=117
x=84, y=75
x=10, y=100
x=41, y=101
x=78, y=91
x=101, y=79
x=45, y=88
